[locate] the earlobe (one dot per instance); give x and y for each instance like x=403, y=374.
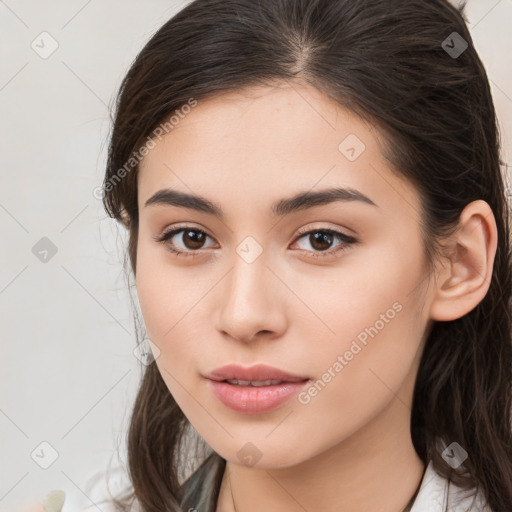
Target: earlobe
x=465, y=276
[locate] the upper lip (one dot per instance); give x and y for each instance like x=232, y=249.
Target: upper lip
x=256, y=373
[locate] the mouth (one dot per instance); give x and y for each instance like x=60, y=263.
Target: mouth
x=254, y=390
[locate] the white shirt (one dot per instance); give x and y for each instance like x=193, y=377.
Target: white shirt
x=436, y=494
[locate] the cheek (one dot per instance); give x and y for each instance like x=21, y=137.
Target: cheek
x=364, y=294
x=164, y=309
x=375, y=326
x=172, y=299
x=151, y=292
x=158, y=297
x=360, y=374
x=162, y=289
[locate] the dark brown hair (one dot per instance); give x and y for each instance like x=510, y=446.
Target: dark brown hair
x=387, y=61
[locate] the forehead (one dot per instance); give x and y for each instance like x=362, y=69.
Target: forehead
x=263, y=140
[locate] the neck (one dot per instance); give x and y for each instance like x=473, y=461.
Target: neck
x=375, y=469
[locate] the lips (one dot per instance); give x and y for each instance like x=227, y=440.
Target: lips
x=258, y=374
x=254, y=390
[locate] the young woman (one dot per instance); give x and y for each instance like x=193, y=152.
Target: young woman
x=319, y=234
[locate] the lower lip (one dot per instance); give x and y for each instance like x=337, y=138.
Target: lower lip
x=252, y=399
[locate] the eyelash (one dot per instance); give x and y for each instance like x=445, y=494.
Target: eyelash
x=347, y=240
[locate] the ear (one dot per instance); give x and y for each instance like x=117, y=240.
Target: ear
x=465, y=276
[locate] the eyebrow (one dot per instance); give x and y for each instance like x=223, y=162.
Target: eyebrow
x=300, y=201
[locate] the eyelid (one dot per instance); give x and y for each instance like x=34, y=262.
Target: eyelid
x=180, y=227
x=309, y=229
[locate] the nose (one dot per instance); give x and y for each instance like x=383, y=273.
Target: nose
x=251, y=302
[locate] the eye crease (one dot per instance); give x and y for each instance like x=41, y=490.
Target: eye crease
x=327, y=236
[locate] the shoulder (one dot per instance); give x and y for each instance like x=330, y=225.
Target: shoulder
x=438, y=494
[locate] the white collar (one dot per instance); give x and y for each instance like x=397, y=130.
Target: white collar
x=438, y=494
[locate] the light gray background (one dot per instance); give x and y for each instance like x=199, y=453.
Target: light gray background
x=68, y=374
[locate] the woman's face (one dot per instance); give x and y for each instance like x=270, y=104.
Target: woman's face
x=267, y=283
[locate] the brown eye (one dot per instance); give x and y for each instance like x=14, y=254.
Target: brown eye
x=188, y=244
x=319, y=241
x=193, y=239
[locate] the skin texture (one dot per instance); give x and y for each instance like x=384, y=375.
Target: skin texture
x=349, y=448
